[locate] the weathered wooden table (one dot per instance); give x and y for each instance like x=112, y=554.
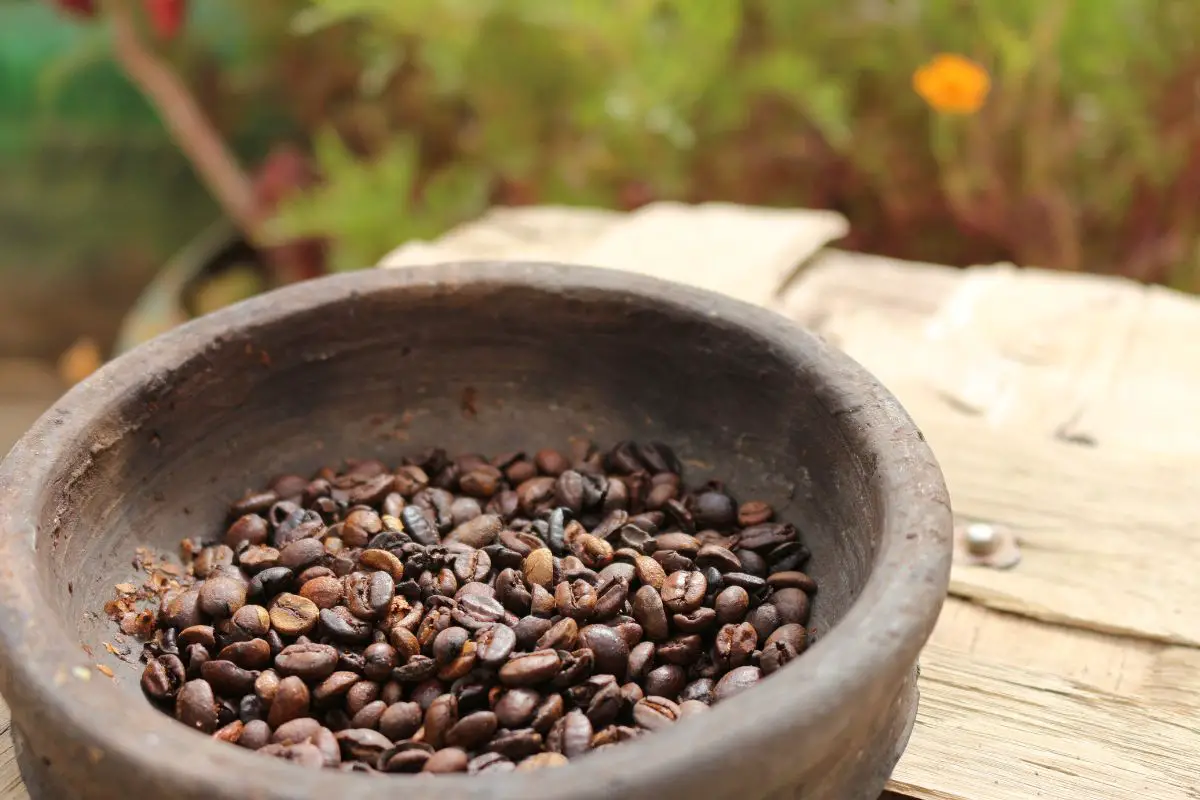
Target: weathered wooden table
x=1059, y=406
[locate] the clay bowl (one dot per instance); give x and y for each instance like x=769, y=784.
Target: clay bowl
x=475, y=357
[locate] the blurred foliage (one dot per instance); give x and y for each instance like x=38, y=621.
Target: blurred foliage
x=1086, y=154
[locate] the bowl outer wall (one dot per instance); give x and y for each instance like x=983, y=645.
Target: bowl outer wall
x=869, y=653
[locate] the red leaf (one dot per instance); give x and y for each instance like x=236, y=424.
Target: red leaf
x=166, y=16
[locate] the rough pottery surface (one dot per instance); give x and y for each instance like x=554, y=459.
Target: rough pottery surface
x=480, y=357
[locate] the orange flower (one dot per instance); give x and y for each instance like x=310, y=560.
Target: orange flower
x=952, y=84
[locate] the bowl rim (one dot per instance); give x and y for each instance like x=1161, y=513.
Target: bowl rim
x=55, y=690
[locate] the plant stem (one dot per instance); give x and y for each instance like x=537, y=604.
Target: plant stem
x=186, y=122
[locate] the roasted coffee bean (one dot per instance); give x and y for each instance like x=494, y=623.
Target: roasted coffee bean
x=196, y=706
x=163, y=677
x=665, y=681
x=494, y=644
x=400, y=721
x=697, y=621
x=530, y=669
x=654, y=713
x=733, y=645
x=469, y=614
x=793, y=605
x=516, y=707
x=610, y=652
x=290, y=701
x=341, y=624
x=446, y=761
x=571, y=735
x=700, y=690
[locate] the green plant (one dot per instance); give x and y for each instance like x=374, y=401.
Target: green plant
x=1085, y=156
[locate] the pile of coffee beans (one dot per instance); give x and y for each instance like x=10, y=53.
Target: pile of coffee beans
x=476, y=615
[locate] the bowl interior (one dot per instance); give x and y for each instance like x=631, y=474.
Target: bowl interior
x=473, y=367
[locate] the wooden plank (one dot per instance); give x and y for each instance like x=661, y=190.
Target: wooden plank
x=1001, y=719
x=1009, y=374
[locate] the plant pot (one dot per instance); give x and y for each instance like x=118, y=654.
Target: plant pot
x=475, y=357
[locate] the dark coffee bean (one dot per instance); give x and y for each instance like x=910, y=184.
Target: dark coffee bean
x=490, y=764
x=735, y=682
x=568, y=491
x=541, y=602
x=256, y=735
x=418, y=526
x=577, y=666
x=793, y=605
x=251, y=622
x=301, y=553
x=753, y=512
x=250, y=528
x=472, y=731
x=340, y=624
x=650, y=613
x=516, y=744
x=571, y=736
x=673, y=561
x=516, y=707
x=534, y=493
x=196, y=706
x=576, y=600
x=665, y=681
x=655, y=713
x=714, y=510
x=529, y=630
x=400, y=721
x=212, y=558
x=697, y=621
x=310, y=662
x=360, y=695
x=731, y=605
x=182, y=610
x=766, y=535
x=788, y=556
x=333, y=688
x=369, y=715
x=530, y=669
x=362, y=744
x=752, y=562
x=379, y=659
x=439, y=719
x=700, y=690
x=196, y=656
x=472, y=566
x=641, y=660
x=719, y=558
x=765, y=619
x=478, y=532
x=562, y=635
x=756, y=586
x=684, y=591
x=681, y=650
x=404, y=757
x=495, y=644
x=548, y=713
x=290, y=701
x=610, y=651
x=227, y=679
x=268, y=583
x=605, y=705
x=198, y=634
x=418, y=668
x=446, y=761
x=733, y=645
x=163, y=677
x=448, y=644
x=477, y=612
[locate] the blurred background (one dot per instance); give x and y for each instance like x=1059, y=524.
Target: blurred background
x=160, y=158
